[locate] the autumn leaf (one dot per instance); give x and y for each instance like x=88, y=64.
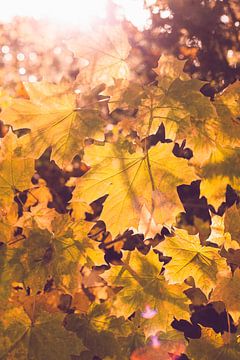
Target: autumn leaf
x=170, y=68
x=232, y=222
x=224, y=241
x=228, y=290
x=55, y=120
x=57, y=254
x=10, y=270
x=39, y=214
x=228, y=109
x=8, y=220
x=190, y=258
x=23, y=338
x=123, y=177
x=103, y=55
x=91, y=265
x=143, y=285
x=105, y=335
x=175, y=101
x=38, y=194
x=220, y=170
x=16, y=171
x=79, y=209
x=214, y=346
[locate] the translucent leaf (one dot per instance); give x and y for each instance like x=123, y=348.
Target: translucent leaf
x=123, y=177
x=144, y=286
x=189, y=257
x=55, y=120
x=16, y=171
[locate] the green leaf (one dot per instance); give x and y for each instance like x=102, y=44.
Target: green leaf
x=104, y=335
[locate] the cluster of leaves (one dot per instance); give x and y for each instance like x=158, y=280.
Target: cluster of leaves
x=143, y=262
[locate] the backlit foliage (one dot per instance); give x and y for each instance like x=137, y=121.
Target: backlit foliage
x=142, y=261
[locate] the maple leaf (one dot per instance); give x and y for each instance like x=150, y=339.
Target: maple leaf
x=8, y=220
x=220, y=170
x=228, y=110
x=228, y=290
x=124, y=94
x=224, y=241
x=176, y=101
x=58, y=253
x=23, y=337
x=214, y=346
x=10, y=270
x=39, y=214
x=104, y=335
x=55, y=120
x=16, y=171
x=123, y=177
x=147, y=225
x=189, y=257
x=38, y=194
x=143, y=285
x=232, y=222
x=170, y=68
x=103, y=54
x=88, y=249
x=79, y=209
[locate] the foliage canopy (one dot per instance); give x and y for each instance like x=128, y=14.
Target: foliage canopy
x=146, y=253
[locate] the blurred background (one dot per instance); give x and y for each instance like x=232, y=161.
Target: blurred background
x=206, y=33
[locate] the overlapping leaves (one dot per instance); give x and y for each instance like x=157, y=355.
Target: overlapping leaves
x=125, y=137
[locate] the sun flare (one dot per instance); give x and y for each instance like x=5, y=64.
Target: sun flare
x=78, y=13
x=72, y=12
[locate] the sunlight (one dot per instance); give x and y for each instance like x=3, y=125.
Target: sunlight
x=133, y=11
x=71, y=12
x=80, y=13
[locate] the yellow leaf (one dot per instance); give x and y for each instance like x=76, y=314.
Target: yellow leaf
x=55, y=120
x=189, y=257
x=143, y=286
x=227, y=105
x=131, y=180
x=38, y=194
x=228, y=290
x=176, y=101
x=8, y=220
x=103, y=54
x=79, y=209
x=220, y=170
x=214, y=346
x=232, y=222
x=16, y=171
x=40, y=214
